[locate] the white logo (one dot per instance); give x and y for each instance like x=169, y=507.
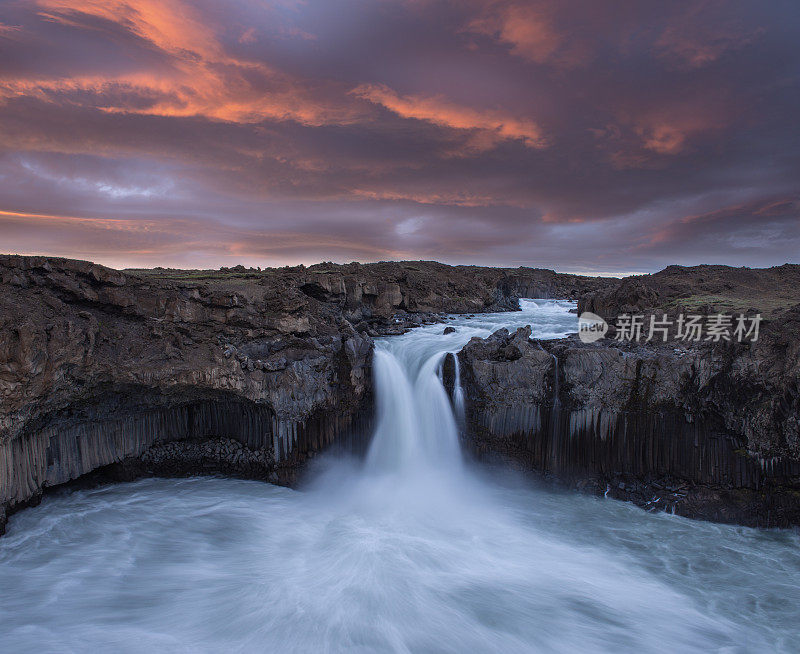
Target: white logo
x=591, y=327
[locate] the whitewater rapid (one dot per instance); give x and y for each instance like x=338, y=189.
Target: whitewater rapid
x=410, y=550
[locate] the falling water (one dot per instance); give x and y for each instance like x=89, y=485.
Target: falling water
x=416, y=425
x=412, y=550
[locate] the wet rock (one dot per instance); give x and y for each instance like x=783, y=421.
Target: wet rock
x=449, y=373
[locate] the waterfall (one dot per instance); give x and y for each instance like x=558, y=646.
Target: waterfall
x=414, y=553
x=396, y=434
x=416, y=426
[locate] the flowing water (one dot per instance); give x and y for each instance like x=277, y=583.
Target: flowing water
x=411, y=550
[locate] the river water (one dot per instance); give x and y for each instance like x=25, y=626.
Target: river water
x=412, y=550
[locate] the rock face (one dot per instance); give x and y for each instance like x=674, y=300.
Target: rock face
x=705, y=431
x=239, y=371
x=367, y=293
x=99, y=367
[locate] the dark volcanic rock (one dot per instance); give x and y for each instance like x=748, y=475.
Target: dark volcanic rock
x=705, y=431
x=98, y=367
x=449, y=373
x=632, y=295
x=449, y=330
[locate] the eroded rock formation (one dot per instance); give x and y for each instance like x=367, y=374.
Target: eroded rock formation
x=249, y=372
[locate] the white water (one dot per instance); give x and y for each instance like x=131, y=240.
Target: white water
x=410, y=551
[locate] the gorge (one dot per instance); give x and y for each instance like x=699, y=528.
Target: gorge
x=123, y=374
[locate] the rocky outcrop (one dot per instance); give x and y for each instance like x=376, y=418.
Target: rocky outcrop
x=697, y=289
x=705, y=431
x=249, y=372
x=539, y=283
x=631, y=296
x=374, y=297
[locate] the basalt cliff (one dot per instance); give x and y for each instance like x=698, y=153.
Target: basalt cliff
x=118, y=374
x=704, y=429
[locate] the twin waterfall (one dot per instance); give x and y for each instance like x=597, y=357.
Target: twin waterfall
x=415, y=421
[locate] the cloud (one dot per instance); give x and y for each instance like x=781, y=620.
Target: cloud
x=527, y=29
x=11, y=32
x=573, y=135
x=199, y=76
x=703, y=33
x=747, y=226
x=492, y=125
x=463, y=199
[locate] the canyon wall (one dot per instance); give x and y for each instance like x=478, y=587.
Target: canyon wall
x=249, y=372
x=98, y=367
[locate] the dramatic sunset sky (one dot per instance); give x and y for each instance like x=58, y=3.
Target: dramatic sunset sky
x=580, y=135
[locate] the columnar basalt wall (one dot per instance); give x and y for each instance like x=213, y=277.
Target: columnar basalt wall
x=248, y=372
x=694, y=431
x=217, y=434
x=222, y=433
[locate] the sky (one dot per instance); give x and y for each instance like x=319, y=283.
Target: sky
x=584, y=136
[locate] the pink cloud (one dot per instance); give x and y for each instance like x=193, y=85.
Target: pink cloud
x=492, y=125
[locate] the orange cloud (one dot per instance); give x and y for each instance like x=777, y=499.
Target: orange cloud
x=9, y=217
x=201, y=80
x=670, y=135
x=10, y=31
x=663, y=138
x=494, y=125
x=167, y=25
x=644, y=140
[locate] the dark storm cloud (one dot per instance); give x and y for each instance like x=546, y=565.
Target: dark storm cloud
x=574, y=135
